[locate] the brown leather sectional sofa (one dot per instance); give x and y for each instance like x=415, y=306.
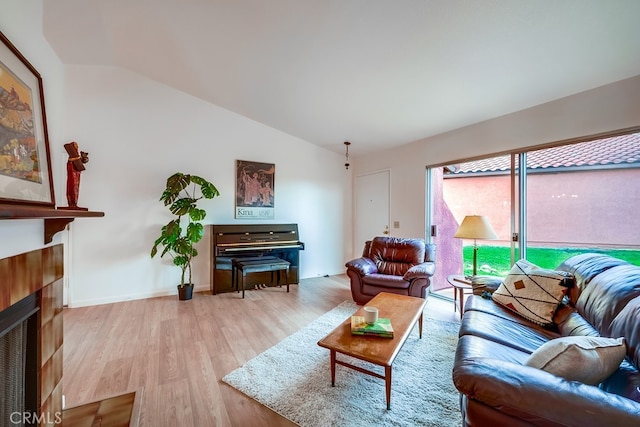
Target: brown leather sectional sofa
x=498, y=389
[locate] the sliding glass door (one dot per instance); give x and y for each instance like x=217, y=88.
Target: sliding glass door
x=472, y=188
x=544, y=205
x=584, y=198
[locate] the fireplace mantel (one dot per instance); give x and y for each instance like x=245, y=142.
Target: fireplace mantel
x=55, y=220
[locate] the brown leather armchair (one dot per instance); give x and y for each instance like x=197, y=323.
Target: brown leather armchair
x=390, y=264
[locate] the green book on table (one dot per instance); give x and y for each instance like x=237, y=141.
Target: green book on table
x=381, y=328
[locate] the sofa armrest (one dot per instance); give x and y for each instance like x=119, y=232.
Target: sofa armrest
x=363, y=266
x=420, y=271
x=533, y=394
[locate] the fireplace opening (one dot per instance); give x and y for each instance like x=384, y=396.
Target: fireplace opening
x=19, y=363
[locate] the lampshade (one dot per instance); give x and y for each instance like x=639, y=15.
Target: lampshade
x=475, y=227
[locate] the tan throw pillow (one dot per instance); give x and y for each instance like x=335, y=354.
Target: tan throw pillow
x=533, y=292
x=482, y=284
x=589, y=360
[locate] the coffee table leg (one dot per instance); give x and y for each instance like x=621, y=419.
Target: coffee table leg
x=387, y=380
x=333, y=368
x=420, y=325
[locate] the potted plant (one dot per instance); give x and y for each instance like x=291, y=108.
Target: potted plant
x=178, y=236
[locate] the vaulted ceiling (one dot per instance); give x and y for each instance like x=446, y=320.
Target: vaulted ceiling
x=378, y=73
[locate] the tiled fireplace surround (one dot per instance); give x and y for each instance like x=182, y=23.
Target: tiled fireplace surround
x=41, y=272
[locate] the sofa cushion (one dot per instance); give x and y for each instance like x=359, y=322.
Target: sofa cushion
x=585, y=267
x=533, y=292
x=570, y=322
x=385, y=281
x=626, y=325
x=502, y=330
x=607, y=295
x=473, y=347
x=487, y=305
x=589, y=360
x=625, y=381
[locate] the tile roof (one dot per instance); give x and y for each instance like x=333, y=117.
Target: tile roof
x=619, y=150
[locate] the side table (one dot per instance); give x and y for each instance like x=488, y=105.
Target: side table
x=460, y=284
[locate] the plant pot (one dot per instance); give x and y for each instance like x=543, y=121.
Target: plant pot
x=185, y=292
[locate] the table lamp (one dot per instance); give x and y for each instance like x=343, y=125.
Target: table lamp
x=475, y=227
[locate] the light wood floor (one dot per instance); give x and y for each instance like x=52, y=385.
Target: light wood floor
x=178, y=351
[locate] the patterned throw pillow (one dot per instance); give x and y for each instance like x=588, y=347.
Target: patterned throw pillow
x=533, y=292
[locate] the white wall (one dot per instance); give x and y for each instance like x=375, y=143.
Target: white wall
x=605, y=109
x=138, y=132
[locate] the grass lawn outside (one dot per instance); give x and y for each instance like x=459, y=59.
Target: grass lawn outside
x=496, y=260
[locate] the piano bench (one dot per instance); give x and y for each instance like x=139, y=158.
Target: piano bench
x=240, y=267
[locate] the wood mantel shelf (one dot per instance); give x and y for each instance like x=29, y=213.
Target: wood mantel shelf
x=55, y=220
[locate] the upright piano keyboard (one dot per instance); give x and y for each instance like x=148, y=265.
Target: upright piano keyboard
x=237, y=241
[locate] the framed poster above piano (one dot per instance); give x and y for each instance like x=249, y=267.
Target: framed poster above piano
x=255, y=190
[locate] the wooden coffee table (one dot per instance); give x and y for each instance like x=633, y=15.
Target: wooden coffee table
x=404, y=313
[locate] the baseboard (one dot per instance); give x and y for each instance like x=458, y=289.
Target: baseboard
x=133, y=297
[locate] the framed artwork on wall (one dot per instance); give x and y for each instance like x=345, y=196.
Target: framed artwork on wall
x=25, y=162
x=255, y=190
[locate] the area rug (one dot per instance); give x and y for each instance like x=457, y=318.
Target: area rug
x=293, y=378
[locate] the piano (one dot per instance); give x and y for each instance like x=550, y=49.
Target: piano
x=236, y=241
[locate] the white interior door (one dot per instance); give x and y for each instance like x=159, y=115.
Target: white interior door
x=372, y=208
